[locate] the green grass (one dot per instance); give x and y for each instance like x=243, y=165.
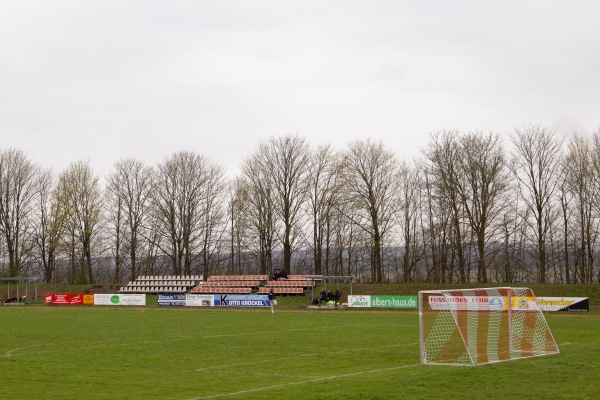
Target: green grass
x=183, y=354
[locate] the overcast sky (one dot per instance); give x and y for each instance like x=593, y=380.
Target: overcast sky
x=104, y=80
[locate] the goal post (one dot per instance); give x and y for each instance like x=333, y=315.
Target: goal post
x=482, y=326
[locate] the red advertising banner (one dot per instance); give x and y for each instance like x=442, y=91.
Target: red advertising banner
x=69, y=299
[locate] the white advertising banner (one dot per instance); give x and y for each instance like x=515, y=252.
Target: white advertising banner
x=102, y=299
x=199, y=300
x=359, y=301
x=468, y=303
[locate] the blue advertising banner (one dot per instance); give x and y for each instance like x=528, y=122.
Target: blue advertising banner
x=171, y=299
x=242, y=300
x=225, y=300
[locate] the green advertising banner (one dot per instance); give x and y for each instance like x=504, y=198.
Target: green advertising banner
x=393, y=301
x=375, y=301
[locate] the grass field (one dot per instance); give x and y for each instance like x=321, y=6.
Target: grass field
x=183, y=354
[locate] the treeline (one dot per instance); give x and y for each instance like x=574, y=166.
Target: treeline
x=465, y=210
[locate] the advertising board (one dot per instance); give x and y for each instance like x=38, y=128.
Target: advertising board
x=393, y=301
x=124, y=299
x=496, y=303
x=359, y=301
x=469, y=303
x=377, y=301
x=176, y=299
x=200, y=300
x=563, y=303
x=217, y=300
x=69, y=299
x=242, y=300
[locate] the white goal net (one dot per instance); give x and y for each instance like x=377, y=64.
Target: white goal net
x=481, y=326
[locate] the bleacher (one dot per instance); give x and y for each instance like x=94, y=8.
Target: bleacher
x=243, y=284
x=213, y=278
x=289, y=283
x=224, y=290
x=293, y=285
x=162, y=284
x=281, y=290
x=220, y=284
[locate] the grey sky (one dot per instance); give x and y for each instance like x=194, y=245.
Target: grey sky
x=103, y=80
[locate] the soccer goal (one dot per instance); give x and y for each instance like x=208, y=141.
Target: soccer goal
x=481, y=326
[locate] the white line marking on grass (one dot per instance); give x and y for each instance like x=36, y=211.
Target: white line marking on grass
x=11, y=352
x=325, y=378
x=301, y=356
x=277, y=375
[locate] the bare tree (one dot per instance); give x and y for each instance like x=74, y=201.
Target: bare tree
x=186, y=205
x=436, y=234
x=276, y=178
x=129, y=188
x=443, y=153
x=513, y=229
x=175, y=204
x=18, y=190
x=238, y=224
x=369, y=174
x=595, y=179
x=50, y=224
x=214, y=217
x=259, y=208
x=68, y=240
x=565, y=195
x=536, y=165
x=410, y=198
x=323, y=191
x=287, y=159
x=579, y=170
x=486, y=179
x=115, y=209
x=82, y=197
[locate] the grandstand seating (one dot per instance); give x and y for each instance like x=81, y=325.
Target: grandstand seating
x=253, y=284
x=242, y=284
x=217, y=290
x=162, y=284
x=231, y=284
x=281, y=290
x=288, y=283
x=237, y=278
